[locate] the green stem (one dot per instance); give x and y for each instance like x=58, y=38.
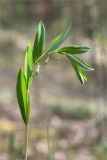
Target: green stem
x=26, y=141
x=43, y=54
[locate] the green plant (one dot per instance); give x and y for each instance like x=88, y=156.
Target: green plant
x=33, y=58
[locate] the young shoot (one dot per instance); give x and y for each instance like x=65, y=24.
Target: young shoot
x=33, y=57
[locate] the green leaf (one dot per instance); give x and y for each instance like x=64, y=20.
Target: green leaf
x=74, y=49
x=28, y=65
x=77, y=62
x=28, y=108
x=58, y=41
x=80, y=74
x=21, y=93
x=39, y=42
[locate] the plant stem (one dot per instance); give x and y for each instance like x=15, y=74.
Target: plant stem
x=26, y=141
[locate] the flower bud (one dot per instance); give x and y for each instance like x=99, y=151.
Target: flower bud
x=37, y=69
x=46, y=61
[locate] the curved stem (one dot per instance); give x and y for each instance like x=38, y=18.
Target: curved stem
x=43, y=54
x=26, y=141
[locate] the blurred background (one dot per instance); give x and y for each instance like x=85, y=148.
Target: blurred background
x=68, y=120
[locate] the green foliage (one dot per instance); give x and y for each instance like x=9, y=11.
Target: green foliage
x=80, y=74
x=22, y=93
x=33, y=58
x=58, y=41
x=79, y=67
x=23, y=96
x=28, y=65
x=77, y=62
x=28, y=108
x=39, y=42
x=74, y=49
